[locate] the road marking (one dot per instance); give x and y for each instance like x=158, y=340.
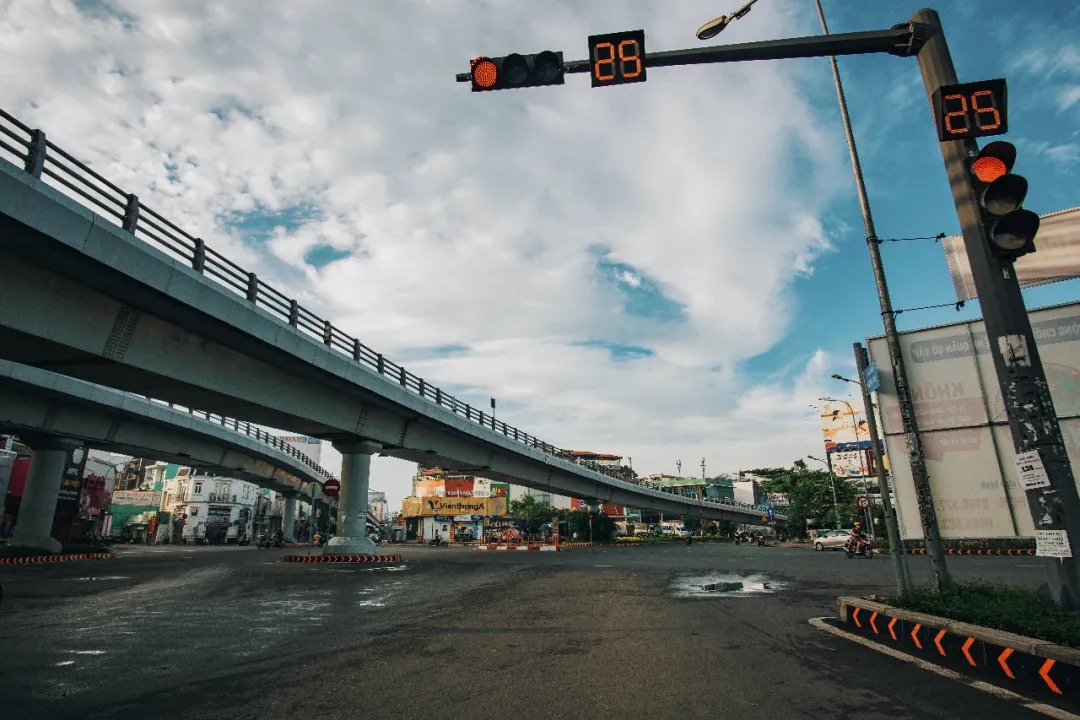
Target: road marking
x=999, y=692
x=891, y=631
x=915, y=635
x=872, y=619
x=855, y=617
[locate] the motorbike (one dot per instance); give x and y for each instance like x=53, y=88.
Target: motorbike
x=761, y=541
x=437, y=542
x=861, y=548
x=320, y=539
x=244, y=540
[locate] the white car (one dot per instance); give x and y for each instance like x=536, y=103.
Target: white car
x=831, y=539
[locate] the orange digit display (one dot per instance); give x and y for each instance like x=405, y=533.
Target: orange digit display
x=617, y=58
x=598, y=50
x=950, y=101
x=993, y=124
x=625, y=58
x=971, y=110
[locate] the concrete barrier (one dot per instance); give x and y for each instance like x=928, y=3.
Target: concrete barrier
x=1027, y=666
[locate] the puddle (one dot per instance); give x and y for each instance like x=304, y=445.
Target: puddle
x=725, y=585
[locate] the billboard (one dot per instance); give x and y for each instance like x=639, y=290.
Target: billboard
x=1058, y=256
x=138, y=498
x=310, y=446
x=430, y=506
x=966, y=439
x=843, y=425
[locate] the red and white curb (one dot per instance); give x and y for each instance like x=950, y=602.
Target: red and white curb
x=35, y=559
x=532, y=548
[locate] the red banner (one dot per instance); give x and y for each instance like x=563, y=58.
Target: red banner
x=459, y=487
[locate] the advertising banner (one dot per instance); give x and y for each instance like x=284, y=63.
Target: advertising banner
x=843, y=426
x=95, y=494
x=144, y=498
x=431, y=506
x=305, y=444
x=218, y=515
x=852, y=463
x=1058, y=256
x=429, y=488
x=67, y=501
x=965, y=435
x=500, y=490
x=458, y=487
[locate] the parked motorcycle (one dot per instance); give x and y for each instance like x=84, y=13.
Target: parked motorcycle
x=244, y=540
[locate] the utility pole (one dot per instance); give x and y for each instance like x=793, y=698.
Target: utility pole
x=1052, y=496
x=896, y=550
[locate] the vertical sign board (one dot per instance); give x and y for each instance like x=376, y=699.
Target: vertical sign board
x=871, y=377
x=977, y=479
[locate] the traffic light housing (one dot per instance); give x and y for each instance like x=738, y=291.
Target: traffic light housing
x=1010, y=229
x=517, y=71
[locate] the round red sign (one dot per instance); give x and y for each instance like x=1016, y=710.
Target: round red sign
x=863, y=502
x=331, y=487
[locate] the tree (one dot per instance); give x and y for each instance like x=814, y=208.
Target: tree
x=533, y=513
x=810, y=496
x=603, y=527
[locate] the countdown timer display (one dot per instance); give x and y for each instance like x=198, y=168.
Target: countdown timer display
x=971, y=110
x=617, y=58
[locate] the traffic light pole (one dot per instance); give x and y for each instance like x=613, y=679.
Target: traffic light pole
x=1026, y=394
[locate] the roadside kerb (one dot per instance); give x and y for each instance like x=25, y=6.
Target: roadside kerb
x=528, y=548
x=35, y=559
x=1024, y=665
x=343, y=558
x=585, y=544
x=922, y=551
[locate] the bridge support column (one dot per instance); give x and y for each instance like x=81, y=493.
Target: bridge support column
x=48, y=458
x=351, y=537
x=288, y=518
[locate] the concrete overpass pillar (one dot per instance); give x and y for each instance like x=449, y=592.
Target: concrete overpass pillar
x=48, y=458
x=288, y=518
x=351, y=537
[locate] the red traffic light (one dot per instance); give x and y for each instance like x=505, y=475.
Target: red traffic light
x=484, y=73
x=1010, y=229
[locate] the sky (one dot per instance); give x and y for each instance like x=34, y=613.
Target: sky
x=668, y=270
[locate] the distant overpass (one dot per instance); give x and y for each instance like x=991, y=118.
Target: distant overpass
x=121, y=296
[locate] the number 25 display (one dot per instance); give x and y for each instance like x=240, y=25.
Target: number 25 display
x=617, y=58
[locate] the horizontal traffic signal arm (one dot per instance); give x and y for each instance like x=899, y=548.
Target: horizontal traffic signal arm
x=903, y=40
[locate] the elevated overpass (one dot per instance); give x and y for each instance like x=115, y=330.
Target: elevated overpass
x=43, y=408
x=106, y=290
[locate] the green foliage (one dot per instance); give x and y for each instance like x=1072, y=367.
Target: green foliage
x=810, y=496
x=1002, y=607
x=532, y=512
x=603, y=527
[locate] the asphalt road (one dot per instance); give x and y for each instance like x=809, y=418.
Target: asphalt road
x=198, y=632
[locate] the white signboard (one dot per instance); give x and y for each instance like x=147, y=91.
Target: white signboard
x=1052, y=543
x=1030, y=471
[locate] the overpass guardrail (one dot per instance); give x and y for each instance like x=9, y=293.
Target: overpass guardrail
x=48, y=162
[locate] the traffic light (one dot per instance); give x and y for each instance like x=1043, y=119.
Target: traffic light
x=517, y=71
x=1009, y=228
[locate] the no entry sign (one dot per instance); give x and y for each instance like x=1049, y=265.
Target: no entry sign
x=331, y=487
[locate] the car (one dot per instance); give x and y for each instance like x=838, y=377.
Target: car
x=831, y=539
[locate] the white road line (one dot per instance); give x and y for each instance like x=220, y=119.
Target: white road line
x=994, y=690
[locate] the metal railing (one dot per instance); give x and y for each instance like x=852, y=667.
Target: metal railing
x=246, y=428
x=51, y=164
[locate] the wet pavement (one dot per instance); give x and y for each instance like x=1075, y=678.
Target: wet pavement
x=708, y=630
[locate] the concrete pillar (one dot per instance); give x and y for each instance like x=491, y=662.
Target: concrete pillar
x=351, y=537
x=33, y=528
x=288, y=518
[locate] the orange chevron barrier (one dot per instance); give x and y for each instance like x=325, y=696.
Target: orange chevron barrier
x=1024, y=665
x=35, y=559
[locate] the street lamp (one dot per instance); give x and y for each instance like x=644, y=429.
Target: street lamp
x=714, y=27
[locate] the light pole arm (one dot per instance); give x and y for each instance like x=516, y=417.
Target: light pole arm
x=902, y=40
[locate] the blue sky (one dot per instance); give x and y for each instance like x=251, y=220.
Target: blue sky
x=667, y=270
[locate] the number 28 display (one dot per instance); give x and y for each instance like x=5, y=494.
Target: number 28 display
x=971, y=110
x=617, y=58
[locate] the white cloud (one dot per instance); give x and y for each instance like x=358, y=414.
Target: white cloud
x=470, y=217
